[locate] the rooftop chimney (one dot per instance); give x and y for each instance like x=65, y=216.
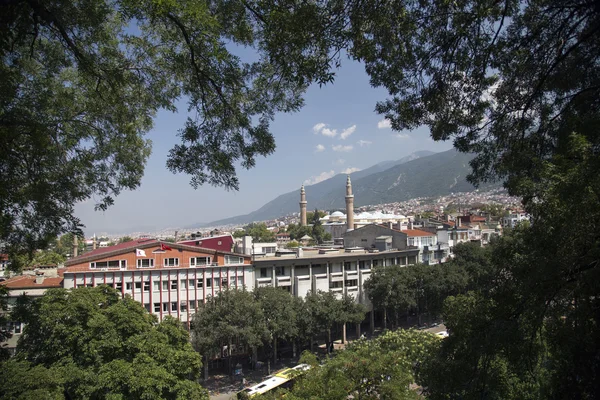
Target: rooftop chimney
x=75, y=246
x=39, y=278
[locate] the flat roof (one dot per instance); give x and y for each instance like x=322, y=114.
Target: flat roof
x=309, y=255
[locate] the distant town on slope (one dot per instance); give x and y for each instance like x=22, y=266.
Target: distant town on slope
x=421, y=174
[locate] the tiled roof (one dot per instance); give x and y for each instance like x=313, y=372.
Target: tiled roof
x=28, y=282
x=138, y=244
x=417, y=232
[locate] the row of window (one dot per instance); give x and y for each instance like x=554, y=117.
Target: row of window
x=167, y=262
x=175, y=284
x=172, y=306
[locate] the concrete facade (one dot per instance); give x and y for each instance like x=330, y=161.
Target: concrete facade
x=366, y=237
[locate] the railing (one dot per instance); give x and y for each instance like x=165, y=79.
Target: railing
x=336, y=276
x=284, y=281
x=262, y=282
x=351, y=274
x=338, y=292
x=353, y=290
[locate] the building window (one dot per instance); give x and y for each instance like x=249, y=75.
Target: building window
x=165, y=285
x=184, y=283
x=208, y=282
x=145, y=262
x=335, y=285
x=279, y=271
x=263, y=272
x=119, y=286
x=199, y=284
x=347, y=266
x=240, y=281
x=191, y=283
x=113, y=264
x=18, y=327
x=199, y=261
x=411, y=241
x=146, y=286
x=269, y=250
x=233, y=260
x=362, y=265
x=192, y=304
x=138, y=286
x=171, y=262
x=353, y=282
x=174, y=285
x=147, y=307
x=375, y=263
x=183, y=306
x=174, y=306
x=224, y=282
x=165, y=307
x=128, y=286
x=156, y=285
x=157, y=307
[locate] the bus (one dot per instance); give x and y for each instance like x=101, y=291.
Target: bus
x=281, y=379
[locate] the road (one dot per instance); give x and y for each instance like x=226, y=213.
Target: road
x=223, y=387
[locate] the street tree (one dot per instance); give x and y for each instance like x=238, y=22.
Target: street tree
x=280, y=310
x=91, y=343
x=321, y=311
x=232, y=317
x=392, y=291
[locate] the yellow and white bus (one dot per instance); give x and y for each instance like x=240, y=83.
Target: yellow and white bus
x=281, y=379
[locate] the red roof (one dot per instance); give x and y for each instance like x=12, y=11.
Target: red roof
x=125, y=245
x=417, y=232
x=28, y=282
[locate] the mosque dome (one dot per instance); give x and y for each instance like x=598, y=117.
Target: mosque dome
x=338, y=214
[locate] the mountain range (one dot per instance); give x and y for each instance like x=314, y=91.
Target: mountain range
x=420, y=174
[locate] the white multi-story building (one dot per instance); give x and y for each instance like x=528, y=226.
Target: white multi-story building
x=514, y=218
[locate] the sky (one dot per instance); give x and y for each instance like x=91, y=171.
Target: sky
x=337, y=131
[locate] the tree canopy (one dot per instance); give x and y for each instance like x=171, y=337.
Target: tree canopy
x=258, y=231
x=382, y=368
x=91, y=343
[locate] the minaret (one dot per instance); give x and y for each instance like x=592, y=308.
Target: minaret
x=302, y=206
x=349, y=205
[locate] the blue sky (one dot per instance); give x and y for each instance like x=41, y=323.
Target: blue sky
x=303, y=155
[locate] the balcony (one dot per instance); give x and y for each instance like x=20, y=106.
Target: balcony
x=351, y=274
x=338, y=292
x=352, y=291
x=336, y=276
x=284, y=281
x=263, y=282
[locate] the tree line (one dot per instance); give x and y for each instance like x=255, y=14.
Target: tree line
x=400, y=291
x=267, y=316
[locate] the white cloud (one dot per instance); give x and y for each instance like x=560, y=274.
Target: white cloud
x=363, y=143
x=329, y=132
x=319, y=148
x=349, y=170
x=319, y=178
x=340, y=161
x=347, y=132
x=401, y=135
x=384, y=124
x=341, y=148
x=317, y=128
